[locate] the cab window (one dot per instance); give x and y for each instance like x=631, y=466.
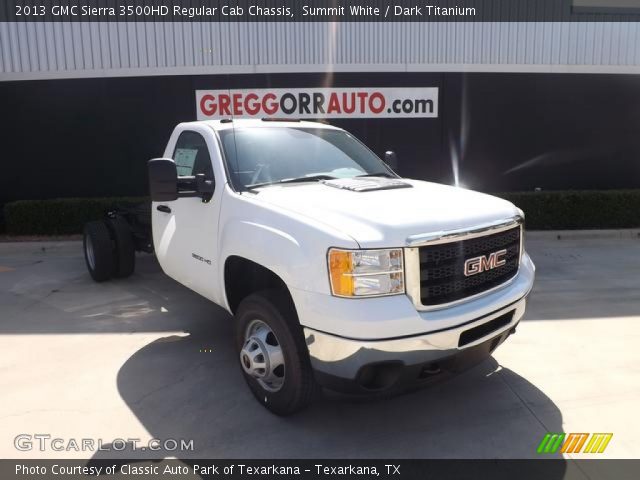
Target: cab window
x=192, y=155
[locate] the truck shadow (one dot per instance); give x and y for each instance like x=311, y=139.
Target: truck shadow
x=190, y=388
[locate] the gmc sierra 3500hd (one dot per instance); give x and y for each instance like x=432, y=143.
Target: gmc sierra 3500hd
x=338, y=272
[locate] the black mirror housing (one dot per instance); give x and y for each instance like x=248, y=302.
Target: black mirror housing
x=391, y=159
x=163, y=180
x=205, y=186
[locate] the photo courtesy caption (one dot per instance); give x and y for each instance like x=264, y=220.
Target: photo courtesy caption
x=242, y=469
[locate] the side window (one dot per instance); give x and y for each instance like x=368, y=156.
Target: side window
x=192, y=155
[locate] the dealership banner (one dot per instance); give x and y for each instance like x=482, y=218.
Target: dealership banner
x=318, y=103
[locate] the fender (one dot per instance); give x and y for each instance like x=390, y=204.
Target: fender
x=292, y=246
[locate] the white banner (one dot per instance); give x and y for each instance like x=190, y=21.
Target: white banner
x=318, y=103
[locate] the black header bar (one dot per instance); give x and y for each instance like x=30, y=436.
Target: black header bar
x=321, y=469
x=316, y=11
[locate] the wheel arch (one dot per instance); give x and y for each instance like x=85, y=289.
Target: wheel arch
x=243, y=276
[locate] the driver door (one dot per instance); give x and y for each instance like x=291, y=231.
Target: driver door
x=185, y=230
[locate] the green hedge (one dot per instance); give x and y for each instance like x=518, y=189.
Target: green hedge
x=544, y=211
x=59, y=216
x=572, y=210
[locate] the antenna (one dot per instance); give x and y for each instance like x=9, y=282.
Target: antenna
x=235, y=144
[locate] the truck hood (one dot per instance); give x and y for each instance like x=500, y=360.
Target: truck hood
x=385, y=218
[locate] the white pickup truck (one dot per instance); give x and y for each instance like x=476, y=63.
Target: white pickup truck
x=337, y=271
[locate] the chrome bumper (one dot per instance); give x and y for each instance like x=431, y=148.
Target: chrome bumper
x=344, y=358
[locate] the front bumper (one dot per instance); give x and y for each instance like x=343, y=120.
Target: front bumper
x=382, y=318
x=371, y=365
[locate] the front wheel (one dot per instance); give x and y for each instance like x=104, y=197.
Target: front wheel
x=272, y=352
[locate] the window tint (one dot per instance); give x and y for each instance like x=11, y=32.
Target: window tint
x=192, y=155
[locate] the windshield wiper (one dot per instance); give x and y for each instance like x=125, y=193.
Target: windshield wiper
x=310, y=178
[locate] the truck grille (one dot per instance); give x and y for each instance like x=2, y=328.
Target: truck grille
x=442, y=266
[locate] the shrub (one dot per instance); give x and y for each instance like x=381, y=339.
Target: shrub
x=571, y=210
x=550, y=210
x=59, y=216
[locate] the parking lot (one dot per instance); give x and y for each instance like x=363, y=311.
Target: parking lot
x=146, y=358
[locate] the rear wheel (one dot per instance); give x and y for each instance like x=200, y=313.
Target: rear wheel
x=98, y=251
x=273, y=356
x=125, y=255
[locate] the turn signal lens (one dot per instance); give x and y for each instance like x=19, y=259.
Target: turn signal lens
x=340, y=268
x=366, y=273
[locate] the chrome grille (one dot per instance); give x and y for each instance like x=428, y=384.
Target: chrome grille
x=442, y=266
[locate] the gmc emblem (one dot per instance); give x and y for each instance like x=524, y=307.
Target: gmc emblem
x=480, y=264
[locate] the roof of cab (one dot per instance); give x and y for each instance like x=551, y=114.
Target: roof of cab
x=225, y=124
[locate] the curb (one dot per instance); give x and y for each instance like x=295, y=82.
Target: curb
x=625, y=233
x=42, y=247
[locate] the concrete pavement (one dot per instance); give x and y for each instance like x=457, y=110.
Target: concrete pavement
x=146, y=358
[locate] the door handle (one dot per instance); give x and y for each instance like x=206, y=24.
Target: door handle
x=163, y=208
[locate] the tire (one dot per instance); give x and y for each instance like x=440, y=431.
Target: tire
x=297, y=387
x=125, y=254
x=98, y=251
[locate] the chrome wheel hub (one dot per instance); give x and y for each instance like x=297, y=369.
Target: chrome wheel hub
x=261, y=356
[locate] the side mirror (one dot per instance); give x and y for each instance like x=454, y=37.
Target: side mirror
x=163, y=180
x=205, y=187
x=391, y=159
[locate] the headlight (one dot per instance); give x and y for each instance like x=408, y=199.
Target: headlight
x=364, y=273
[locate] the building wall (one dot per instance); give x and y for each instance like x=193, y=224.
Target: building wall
x=30, y=50
x=494, y=131
x=521, y=105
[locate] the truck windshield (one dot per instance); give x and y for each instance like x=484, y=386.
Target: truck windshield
x=266, y=156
